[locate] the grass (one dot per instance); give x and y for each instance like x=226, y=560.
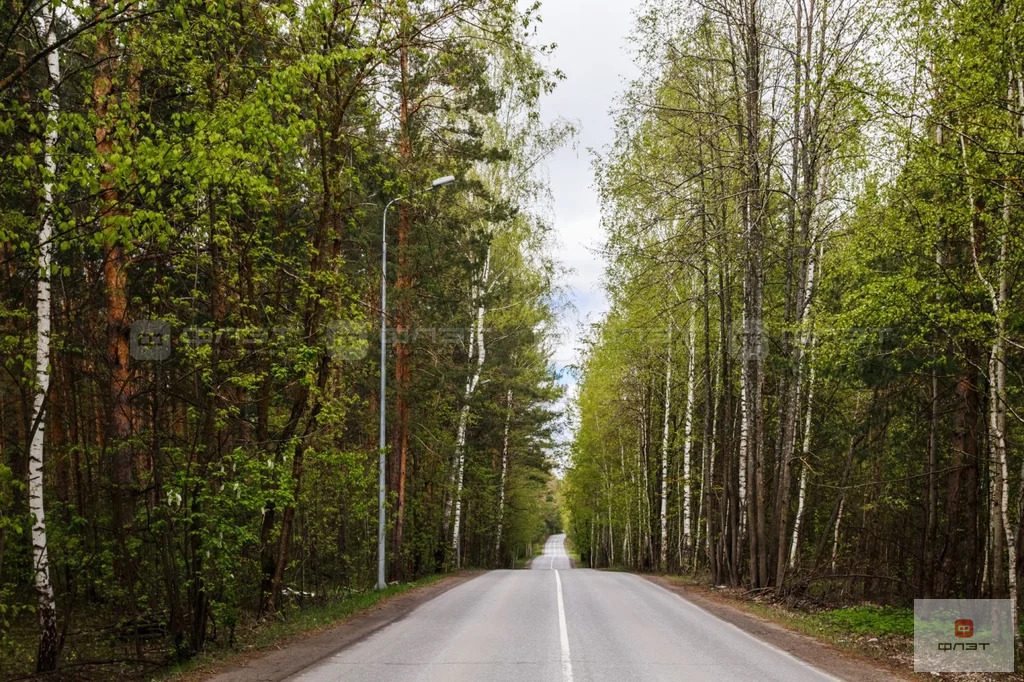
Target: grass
x=537, y=551
x=295, y=623
x=835, y=625
x=573, y=554
x=867, y=619
x=686, y=579
x=871, y=620
x=879, y=632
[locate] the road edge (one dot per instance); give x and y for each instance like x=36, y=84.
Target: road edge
x=296, y=654
x=821, y=655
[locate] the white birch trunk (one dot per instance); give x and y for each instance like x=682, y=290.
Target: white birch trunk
x=997, y=422
x=988, y=552
x=664, y=455
x=460, y=435
x=46, y=604
x=591, y=544
x=679, y=512
x=460, y=440
x=504, y=470
x=691, y=341
x=806, y=342
x=997, y=384
x=639, y=488
x=744, y=436
x=627, y=537
x=835, y=534
x=649, y=490
x=705, y=492
x=806, y=450
x=611, y=532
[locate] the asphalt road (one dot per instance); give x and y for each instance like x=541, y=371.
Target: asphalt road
x=554, y=557
x=552, y=624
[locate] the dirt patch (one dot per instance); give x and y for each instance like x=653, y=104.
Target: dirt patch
x=295, y=654
x=832, y=660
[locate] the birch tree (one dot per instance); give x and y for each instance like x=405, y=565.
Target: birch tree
x=478, y=352
x=664, y=451
x=502, y=479
x=231, y=164
x=691, y=375
x=49, y=647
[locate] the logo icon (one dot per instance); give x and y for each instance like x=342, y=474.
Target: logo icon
x=963, y=627
x=150, y=340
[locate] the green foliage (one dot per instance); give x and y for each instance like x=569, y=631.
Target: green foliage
x=275, y=634
x=871, y=620
x=877, y=146
x=223, y=168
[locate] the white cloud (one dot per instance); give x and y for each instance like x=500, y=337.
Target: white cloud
x=594, y=54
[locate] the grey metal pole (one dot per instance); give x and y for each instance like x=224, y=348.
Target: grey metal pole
x=381, y=578
x=381, y=484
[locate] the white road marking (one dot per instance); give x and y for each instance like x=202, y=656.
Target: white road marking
x=563, y=633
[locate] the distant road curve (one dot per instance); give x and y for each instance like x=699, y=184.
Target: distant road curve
x=554, y=557
x=550, y=624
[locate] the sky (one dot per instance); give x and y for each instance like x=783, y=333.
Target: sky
x=594, y=53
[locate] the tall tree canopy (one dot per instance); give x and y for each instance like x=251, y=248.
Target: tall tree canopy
x=810, y=377
x=190, y=224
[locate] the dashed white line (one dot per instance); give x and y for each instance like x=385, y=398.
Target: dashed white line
x=563, y=632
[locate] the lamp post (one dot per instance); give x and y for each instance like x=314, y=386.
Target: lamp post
x=381, y=487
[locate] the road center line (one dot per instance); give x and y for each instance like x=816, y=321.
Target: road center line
x=563, y=632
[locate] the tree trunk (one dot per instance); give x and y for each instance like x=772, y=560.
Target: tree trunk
x=49, y=646
x=119, y=386
x=997, y=402
x=792, y=414
x=663, y=564
x=501, y=482
x=932, y=492
x=835, y=535
x=691, y=340
x=805, y=455
x=471, y=384
x=273, y=598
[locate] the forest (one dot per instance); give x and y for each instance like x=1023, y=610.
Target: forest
x=191, y=205
x=809, y=382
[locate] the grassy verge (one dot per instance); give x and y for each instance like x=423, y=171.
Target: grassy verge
x=573, y=554
x=846, y=626
x=883, y=633
x=295, y=623
x=524, y=562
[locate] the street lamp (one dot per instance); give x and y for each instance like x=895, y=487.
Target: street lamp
x=438, y=182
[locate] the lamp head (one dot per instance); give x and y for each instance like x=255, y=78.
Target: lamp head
x=440, y=182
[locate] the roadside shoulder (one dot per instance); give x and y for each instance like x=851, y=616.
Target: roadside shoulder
x=292, y=655
x=820, y=654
